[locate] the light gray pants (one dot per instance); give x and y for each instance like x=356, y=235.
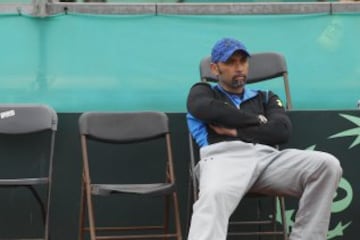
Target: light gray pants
x=228, y=170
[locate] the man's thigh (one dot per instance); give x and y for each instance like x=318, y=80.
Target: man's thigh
x=288, y=171
x=227, y=167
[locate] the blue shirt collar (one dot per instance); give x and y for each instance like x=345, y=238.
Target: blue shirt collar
x=236, y=98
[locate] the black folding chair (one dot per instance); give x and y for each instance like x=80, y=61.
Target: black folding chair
x=115, y=129
x=27, y=138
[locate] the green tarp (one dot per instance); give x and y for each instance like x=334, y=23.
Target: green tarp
x=146, y=62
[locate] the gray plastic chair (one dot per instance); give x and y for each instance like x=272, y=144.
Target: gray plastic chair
x=128, y=128
x=262, y=67
x=28, y=162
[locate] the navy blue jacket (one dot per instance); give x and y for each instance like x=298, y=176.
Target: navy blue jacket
x=207, y=104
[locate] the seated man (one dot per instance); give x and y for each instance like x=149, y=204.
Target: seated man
x=236, y=129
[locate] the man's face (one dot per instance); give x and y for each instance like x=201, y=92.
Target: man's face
x=232, y=74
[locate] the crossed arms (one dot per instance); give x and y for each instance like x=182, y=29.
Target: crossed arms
x=224, y=118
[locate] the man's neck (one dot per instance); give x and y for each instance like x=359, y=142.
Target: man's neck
x=237, y=91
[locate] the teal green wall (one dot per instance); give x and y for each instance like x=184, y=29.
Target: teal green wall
x=84, y=62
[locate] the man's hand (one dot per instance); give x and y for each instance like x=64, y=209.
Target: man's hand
x=232, y=132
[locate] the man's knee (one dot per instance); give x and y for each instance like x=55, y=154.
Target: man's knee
x=331, y=165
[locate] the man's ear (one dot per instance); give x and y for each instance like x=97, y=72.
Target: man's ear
x=214, y=69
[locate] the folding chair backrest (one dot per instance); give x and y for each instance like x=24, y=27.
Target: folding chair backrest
x=262, y=67
x=139, y=126
x=21, y=124
x=26, y=118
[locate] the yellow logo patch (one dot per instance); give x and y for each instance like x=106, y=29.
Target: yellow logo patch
x=279, y=103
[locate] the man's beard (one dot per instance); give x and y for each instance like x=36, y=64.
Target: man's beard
x=238, y=83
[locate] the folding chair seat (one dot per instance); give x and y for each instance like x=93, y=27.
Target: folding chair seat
x=27, y=138
x=133, y=145
x=262, y=67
